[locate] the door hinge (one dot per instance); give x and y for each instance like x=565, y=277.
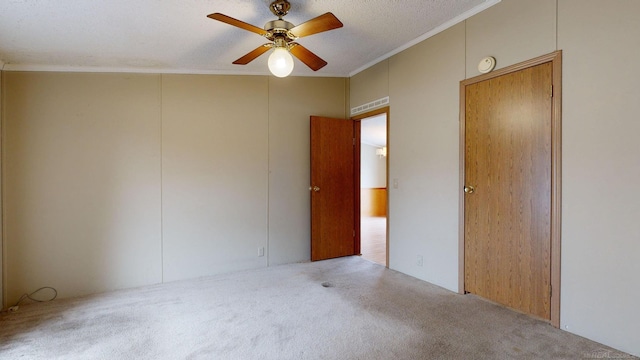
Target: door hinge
x=354, y=141
x=550, y=290
x=551, y=90
x=354, y=233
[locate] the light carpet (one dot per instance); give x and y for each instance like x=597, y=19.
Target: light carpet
x=346, y=308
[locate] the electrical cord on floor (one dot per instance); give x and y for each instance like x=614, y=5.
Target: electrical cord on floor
x=15, y=307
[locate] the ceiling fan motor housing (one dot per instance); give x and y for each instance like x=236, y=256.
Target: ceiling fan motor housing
x=279, y=28
x=278, y=25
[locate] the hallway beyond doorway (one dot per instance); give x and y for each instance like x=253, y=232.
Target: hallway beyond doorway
x=373, y=239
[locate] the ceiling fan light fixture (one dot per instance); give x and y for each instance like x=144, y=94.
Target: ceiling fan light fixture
x=280, y=62
x=282, y=36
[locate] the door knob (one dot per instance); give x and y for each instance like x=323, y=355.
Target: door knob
x=469, y=189
x=315, y=188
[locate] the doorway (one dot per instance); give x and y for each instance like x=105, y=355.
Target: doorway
x=373, y=187
x=336, y=221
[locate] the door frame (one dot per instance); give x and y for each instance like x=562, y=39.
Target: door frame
x=358, y=118
x=555, y=58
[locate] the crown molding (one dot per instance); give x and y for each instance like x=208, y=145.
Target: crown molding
x=101, y=69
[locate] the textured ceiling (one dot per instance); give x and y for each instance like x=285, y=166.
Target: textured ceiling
x=176, y=36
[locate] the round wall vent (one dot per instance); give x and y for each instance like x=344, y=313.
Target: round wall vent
x=487, y=64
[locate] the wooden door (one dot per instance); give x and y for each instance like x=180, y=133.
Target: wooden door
x=507, y=204
x=333, y=184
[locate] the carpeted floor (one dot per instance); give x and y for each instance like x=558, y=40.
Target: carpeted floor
x=346, y=308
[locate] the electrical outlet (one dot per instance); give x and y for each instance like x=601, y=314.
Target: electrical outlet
x=260, y=251
x=419, y=260
x=395, y=183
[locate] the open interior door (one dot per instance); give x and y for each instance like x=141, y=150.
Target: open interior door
x=334, y=180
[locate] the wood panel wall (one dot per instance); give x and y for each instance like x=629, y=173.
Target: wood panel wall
x=373, y=201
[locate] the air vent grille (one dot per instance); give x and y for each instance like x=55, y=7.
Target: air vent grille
x=369, y=106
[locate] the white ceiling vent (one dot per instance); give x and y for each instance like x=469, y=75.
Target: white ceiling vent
x=370, y=106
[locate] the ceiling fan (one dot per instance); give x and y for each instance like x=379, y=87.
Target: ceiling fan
x=283, y=35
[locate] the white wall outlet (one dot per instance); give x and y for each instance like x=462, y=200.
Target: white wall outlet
x=395, y=183
x=260, y=251
x=419, y=260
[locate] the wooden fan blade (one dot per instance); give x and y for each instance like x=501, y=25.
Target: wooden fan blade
x=307, y=57
x=254, y=54
x=316, y=25
x=235, y=22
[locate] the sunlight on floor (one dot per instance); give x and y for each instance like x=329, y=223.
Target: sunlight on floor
x=373, y=239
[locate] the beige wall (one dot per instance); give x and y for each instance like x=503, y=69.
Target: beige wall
x=511, y=31
x=600, y=239
x=120, y=180
x=214, y=174
x=370, y=84
x=289, y=159
x=82, y=182
x=423, y=157
x=601, y=167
